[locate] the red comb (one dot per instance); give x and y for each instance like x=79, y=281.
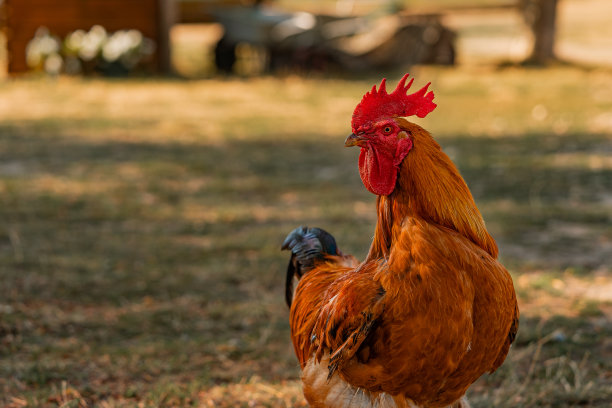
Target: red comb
x=378, y=104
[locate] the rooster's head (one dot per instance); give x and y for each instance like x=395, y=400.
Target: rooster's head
x=384, y=143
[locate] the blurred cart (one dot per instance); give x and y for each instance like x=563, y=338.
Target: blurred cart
x=308, y=41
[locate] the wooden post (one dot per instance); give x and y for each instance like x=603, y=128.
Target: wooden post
x=541, y=15
x=167, y=17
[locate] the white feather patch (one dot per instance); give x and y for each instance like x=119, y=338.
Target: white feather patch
x=337, y=393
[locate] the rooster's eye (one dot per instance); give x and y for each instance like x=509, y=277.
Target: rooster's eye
x=387, y=130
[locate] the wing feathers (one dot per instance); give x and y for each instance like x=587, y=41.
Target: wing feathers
x=426, y=321
x=350, y=313
x=355, y=340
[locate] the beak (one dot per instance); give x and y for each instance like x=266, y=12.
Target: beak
x=354, y=140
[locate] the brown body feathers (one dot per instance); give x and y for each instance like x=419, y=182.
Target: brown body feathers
x=424, y=315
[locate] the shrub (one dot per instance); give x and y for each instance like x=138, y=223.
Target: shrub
x=88, y=52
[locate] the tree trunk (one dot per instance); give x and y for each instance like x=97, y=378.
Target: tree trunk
x=541, y=15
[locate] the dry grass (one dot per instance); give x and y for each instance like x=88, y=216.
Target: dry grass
x=142, y=219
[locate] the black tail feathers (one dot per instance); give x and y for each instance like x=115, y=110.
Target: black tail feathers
x=306, y=246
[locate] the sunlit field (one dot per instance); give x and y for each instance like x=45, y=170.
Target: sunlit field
x=141, y=222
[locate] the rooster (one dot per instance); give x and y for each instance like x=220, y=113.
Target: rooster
x=430, y=309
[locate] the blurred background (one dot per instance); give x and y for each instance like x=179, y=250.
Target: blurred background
x=155, y=153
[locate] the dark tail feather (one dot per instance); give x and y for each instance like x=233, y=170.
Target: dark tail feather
x=292, y=270
x=306, y=246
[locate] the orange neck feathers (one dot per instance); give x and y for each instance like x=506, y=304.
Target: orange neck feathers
x=429, y=187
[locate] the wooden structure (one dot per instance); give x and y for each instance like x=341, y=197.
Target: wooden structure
x=198, y=11
x=153, y=18
x=541, y=16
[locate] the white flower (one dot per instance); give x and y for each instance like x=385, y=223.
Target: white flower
x=135, y=38
x=40, y=47
x=92, y=43
x=74, y=41
x=53, y=64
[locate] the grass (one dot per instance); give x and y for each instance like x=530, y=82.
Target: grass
x=142, y=219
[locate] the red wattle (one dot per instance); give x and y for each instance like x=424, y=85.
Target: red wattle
x=378, y=172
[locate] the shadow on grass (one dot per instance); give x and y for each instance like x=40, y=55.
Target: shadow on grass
x=129, y=264
x=555, y=362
